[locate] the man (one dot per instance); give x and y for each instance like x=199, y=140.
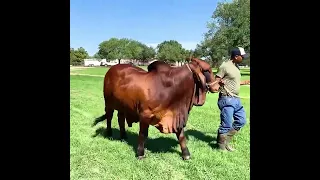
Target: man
x=228, y=84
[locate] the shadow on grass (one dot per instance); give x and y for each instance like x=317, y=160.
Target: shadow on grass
x=98, y=119
x=202, y=137
x=157, y=145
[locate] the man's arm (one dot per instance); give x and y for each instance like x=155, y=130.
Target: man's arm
x=218, y=80
x=216, y=86
x=245, y=82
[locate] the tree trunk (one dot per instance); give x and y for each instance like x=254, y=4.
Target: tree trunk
x=119, y=61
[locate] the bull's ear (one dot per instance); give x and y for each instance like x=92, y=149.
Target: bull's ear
x=199, y=97
x=201, y=79
x=200, y=93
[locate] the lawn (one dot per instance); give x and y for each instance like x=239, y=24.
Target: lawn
x=92, y=156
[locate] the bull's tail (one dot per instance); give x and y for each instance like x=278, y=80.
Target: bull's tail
x=99, y=119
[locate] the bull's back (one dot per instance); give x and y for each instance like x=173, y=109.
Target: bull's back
x=119, y=73
x=122, y=86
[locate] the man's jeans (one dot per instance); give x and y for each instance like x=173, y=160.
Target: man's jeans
x=231, y=108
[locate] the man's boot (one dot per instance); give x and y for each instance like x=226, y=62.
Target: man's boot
x=221, y=141
x=230, y=135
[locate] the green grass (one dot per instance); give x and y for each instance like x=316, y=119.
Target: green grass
x=93, y=71
x=94, y=157
x=98, y=70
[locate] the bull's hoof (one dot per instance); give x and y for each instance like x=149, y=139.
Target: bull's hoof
x=185, y=157
x=185, y=154
x=141, y=157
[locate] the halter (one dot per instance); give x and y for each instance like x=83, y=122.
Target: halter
x=189, y=67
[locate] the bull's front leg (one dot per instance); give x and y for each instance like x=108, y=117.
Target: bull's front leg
x=143, y=135
x=183, y=144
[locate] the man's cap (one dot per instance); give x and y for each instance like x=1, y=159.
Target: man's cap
x=239, y=51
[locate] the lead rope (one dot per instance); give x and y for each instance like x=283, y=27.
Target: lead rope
x=228, y=91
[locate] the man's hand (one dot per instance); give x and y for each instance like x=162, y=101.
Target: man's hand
x=218, y=83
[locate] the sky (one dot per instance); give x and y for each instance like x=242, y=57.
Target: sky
x=148, y=21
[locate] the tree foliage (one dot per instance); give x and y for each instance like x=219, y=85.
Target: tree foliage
x=97, y=56
x=229, y=27
x=77, y=56
x=124, y=48
x=113, y=48
x=147, y=53
x=170, y=51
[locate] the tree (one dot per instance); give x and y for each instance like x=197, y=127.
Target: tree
x=147, y=53
x=228, y=28
x=134, y=50
x=112, y=49
x=170, y=51
x=77, y=56
x=72, y=57
x=187, y=54
x=199, y=51
x=97, y=56
x=123, y=48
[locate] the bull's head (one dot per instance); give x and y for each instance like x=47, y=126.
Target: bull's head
x=203, y=77
x=200, y=85
x=207, y=72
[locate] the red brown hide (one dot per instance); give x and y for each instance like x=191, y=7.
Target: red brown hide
x=160, y=66
x=161, y=99
x=158, y=98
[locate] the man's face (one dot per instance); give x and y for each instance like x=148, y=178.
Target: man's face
x=238, y=58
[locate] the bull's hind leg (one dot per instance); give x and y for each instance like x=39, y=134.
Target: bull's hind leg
x=143, y=135
x=121, y=122
x=109, y=115
x=183, y=144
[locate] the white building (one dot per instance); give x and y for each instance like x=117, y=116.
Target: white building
x=91, y=62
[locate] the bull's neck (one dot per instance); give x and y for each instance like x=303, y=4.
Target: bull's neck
x=180, y=77
x=179, y=74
